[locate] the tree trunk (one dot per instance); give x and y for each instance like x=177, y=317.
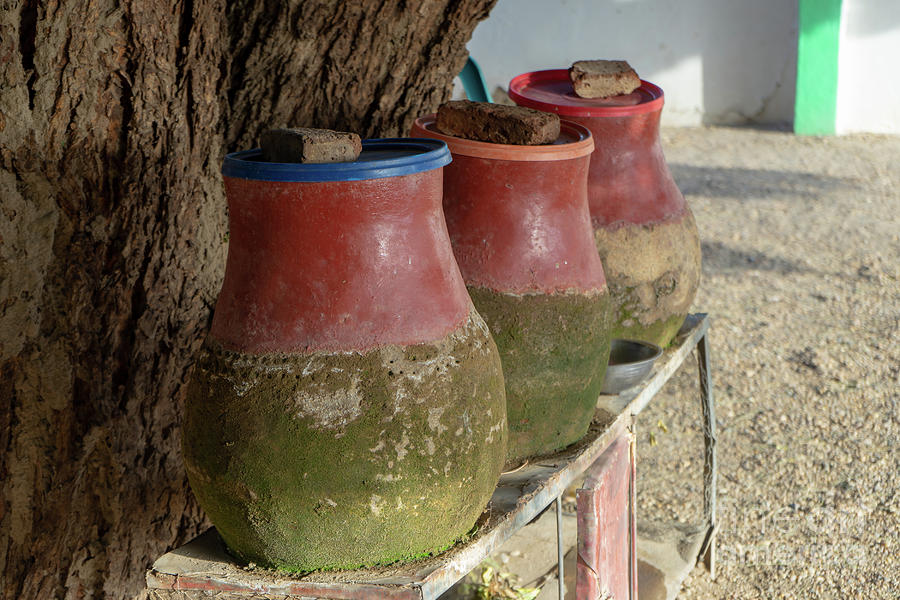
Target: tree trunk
x=114, y=118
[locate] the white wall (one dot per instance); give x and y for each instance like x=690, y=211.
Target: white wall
x=869, y=67
x=719, y=61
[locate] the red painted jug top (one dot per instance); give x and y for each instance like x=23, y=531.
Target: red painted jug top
x=339, y=256
x=518, y=215
x=552, y=91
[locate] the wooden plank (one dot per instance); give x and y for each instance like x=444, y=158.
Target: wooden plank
x=606, y=528
x=204, y=566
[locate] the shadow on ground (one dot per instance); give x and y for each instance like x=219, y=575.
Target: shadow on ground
x=719, y=257
x=753, y=183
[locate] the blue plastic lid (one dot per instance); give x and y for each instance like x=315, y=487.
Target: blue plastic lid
x=379, y=158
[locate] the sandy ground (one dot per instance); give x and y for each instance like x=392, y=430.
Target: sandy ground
x=801, y=275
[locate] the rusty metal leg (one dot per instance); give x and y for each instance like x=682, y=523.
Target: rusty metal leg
x=560, y=554
x=708, y=550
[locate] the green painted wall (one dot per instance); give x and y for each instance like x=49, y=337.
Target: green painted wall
x=815, y=105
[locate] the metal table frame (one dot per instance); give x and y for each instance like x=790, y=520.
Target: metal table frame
x=202, y=566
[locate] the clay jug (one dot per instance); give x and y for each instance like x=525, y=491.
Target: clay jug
x=347, y=408
x=644, y=230
x=520, y=228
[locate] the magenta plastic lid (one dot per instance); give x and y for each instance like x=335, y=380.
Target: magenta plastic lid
x=551, y=91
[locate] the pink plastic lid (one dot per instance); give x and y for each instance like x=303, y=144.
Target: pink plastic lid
x=551, y=91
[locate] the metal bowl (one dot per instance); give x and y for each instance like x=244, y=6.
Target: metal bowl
x=630, y=362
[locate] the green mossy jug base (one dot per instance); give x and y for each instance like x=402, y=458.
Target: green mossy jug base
x=338, y=460
x=660, y=333
x=554, y=349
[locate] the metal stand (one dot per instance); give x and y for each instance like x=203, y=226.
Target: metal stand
x=203, y=567
x=710, y=466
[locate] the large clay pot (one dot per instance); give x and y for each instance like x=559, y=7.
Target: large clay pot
x=644, y=229
x=520, y=228
x=347, y=407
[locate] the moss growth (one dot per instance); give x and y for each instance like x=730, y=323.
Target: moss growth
x=660, y=332
x=554, y=350
x=653, y=272
x=339, y=460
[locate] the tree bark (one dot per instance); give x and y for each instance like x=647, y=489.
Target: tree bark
x=114, y=118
